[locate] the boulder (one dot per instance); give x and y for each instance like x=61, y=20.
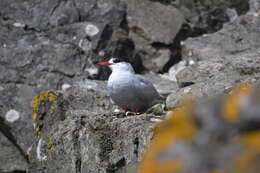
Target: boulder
x=77, y=131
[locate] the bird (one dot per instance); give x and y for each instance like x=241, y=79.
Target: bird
x=128, y=90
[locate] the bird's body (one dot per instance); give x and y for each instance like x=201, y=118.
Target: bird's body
x=131, y=91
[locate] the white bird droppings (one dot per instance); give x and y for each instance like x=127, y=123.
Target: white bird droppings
x=65, y=86
x=41, y=156
x=29, y=150
x=91, y=30
x=12, y=115
x=116, y=110
x=187, y=90
x=156, y=120
x=19, y=25
x=92, y=71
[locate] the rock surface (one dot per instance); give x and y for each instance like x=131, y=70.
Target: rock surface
x=79, y=133
x=53, y=44
x=12, y=157
x=220, y=60
x=219, y=134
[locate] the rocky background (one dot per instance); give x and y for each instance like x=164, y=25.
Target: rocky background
x=200, y=47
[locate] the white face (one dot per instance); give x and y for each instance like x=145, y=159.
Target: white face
x=118, y=65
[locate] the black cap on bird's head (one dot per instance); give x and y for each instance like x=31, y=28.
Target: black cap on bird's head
x=115, y=60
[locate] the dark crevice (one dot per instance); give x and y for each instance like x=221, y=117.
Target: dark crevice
x=55, y=7
x=166, y=2
x=106, y=146
x=104, y=38
x=114, y=167
x=77, y=154
x=28, y=28
x=124, y=24
x=16, y=171
x=78, y=165
x=176, y=48
x=6, y=131
x=248, y=126
x=62, y=73
x=136, y=144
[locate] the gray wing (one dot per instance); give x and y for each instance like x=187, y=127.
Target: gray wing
x=146, y=91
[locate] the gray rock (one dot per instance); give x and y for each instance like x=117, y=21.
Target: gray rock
x=221, y=59
x=209, y=16
x=11, y=158
x=186, y=77
x=212, y=135
x=85, y=140
x=142, y=16
x=52, y=44
x=18, y=97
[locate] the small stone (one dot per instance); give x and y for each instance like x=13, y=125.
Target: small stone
x=85, y=45
x=12, y=115
x=186, y=77
x=91, y=30
x=101, y=53
x=173, y=71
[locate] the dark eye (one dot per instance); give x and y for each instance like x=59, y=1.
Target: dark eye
x=116, y=60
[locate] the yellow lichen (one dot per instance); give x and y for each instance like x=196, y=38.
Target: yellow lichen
x=54, y=108
x=50, y=145
x=37, y=130
x=180, y=126
x=37, y=100
x=231, y=107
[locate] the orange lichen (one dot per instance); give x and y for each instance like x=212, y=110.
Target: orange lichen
x=231, y=107
x=251, y=140
x=248, y=160
x=244, y=162
x=169, y=166
x=180, y=126
x=217, y=170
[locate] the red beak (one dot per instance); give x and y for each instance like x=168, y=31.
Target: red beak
x=104, y=63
